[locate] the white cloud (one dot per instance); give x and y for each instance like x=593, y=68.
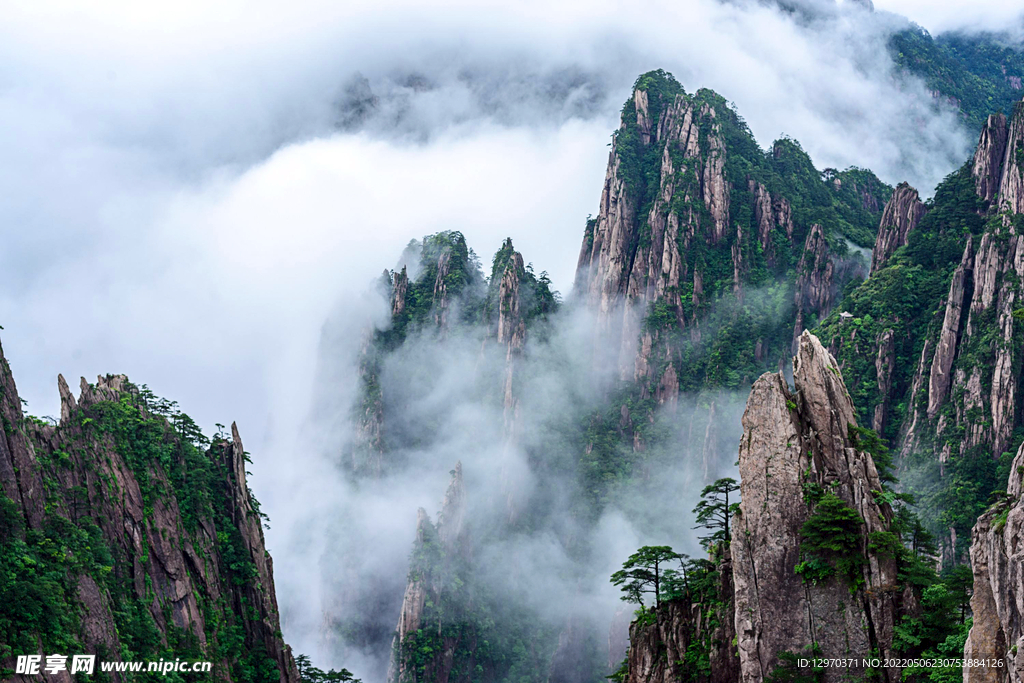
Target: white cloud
x=179, y=205
x=987, y=15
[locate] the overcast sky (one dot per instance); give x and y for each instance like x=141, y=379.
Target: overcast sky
x=189, y=191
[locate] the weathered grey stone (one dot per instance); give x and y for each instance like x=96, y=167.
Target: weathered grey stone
x=987, y=164
x=997, y=558
x=165, y=563
x=901, y=215
x=885, y=360
x=1011, y=184
x=815, y=282
x=791, y=439
x=949, y=337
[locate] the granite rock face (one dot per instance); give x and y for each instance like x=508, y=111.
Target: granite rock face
x=511, y=337
x=1011, y=182
x=399, y=292
x=618, y=273
x=885, y=360
x=172, y=567
x=437, y=552
x=790, y=440
x=983, y=294
x=949, y=337
x=967, y=371
x=657, y=651
x=816, y=283
x=901, y=215
x=997, y=558
x=987, y=165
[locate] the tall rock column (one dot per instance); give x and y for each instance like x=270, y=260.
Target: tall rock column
x=901, y=215
x=1011, y=184
x=434, y=595
x=792, y=441
x=19, y=477
x=512, y=336
x=997, y=558
x=815, y=282
x=634, y=253
x=987, y=165
x=960, y=289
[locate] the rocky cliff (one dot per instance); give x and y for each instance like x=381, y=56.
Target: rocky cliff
x=987, y=164
x=928, y=345
x=433, y=627
x=982, y=296
x=132, y=537
x=997, y=558
x=466, y=627
x=901, y=215
x=634, y=254
x=798, y=460
x=693, y=216
x=690, y=638
x=816, y=282
x=511, y=336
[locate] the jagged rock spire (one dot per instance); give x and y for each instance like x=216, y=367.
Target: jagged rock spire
x=19, y=477
x=987, y=164
x=982, y=296
x=952, y=323
x=442, y=300
x=453, y=510
x=512, y=335
x=901, y=215
x=511, y=330
x=399, y=290
x=435, y=551
x=413, y=602
x=167, y=565
x=998, y=163
x=815, y=281
x=885, y=362
x=1011, y=184
x=620, y=271
x=770, y=213
x=791, y=440
x=68, y=404
x=997, y=602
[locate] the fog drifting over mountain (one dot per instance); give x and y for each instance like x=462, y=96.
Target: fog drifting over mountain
x=191, y=192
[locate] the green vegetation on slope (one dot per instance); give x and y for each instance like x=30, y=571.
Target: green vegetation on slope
x=981, y=73
x=728, y=340
x=907, y=296
x=40, y=570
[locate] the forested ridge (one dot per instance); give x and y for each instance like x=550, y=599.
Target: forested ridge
x=128, y=534
x=799, y=390
x=707, y=260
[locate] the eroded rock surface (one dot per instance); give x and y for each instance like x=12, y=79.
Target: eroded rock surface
x=658, y=651
x=194, y=571
x=790, y=440
x=901, y=215
x=997, y=558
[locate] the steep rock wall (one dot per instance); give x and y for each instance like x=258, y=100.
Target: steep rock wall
x=791, y=441
x=187, y=557
x=997, y=558
x=901, y=215
x=660, y=652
